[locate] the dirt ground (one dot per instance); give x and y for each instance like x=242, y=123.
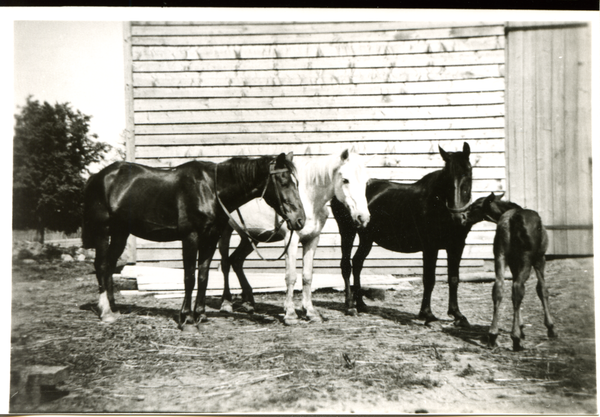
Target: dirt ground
x=386, y=361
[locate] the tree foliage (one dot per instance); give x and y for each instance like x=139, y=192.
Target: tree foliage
x=52, y=151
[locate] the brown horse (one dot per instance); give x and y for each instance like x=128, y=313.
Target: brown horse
x=182, y=203
x=427, y=216
x=521, y=243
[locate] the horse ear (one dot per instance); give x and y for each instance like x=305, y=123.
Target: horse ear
x=444, y=154
x=290, y=156
x=466, y=149
x=280, y=161
x=490, y=198
x=499, y=197
x=345, y=155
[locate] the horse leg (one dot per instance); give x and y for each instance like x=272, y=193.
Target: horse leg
x=101, y=243
x=364, y=248
x=520, y=276
x=190, y=251
x=497, y=295
x=542, y=292
x=290, y=317
x=347, y=233
x=237, y=261
x=107, y=255
x=308, y=255
x=348, y=236
x=225, y=266
x=429, y=262
x=454, y=257
x=206, y=252
x=115, y=249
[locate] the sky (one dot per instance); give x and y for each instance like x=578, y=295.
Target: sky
x=76, y=62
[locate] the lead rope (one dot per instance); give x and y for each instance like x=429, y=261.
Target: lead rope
x=244, y=231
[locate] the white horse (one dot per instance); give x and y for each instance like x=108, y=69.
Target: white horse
x=319, y=180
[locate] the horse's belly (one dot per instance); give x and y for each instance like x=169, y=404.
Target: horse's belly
x=156, y=234
x=398, y=243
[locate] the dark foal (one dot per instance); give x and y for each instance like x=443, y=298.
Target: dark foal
x=521, y=243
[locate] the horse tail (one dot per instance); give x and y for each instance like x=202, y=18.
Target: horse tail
x=519, y=236
x=87, y=225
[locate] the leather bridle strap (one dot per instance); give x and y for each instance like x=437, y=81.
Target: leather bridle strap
x=243, y=230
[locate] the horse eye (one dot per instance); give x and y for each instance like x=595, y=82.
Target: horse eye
x=346, y=181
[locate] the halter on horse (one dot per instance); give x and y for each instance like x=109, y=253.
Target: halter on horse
x=427, y=216
x=179, y=203
x=320, y=179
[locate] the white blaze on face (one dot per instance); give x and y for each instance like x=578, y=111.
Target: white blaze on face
x=351, y=186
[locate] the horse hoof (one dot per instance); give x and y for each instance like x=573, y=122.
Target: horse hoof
x=428, y=317
x=434, y=325
x=190, y=328
x=462, y=322
x=110, y=317
x=248, y=308
x=492, y=341
x=352, y=312
x=226, y=308
x=552, y=334
x=290, y=321
x=362, y=308
x=517, y=346
x=203, y=318
x=315, y=319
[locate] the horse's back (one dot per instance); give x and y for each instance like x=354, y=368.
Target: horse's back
x=521, y=232
x=148, y=202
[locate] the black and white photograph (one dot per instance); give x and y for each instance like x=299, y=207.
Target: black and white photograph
x=300, y=211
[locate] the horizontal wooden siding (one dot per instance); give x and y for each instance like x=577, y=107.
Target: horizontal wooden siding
x=390, y=90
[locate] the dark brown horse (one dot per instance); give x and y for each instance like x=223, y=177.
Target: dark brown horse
x=521, y=243
x=427, y=216
x=180, y=203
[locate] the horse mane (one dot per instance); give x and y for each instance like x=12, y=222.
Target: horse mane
x=243, y=168
x=320, y=170
x=504, y=206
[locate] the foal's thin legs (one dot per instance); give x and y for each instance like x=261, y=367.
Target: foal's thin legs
x=542, y=292
x=520, y=276
x=497, y=295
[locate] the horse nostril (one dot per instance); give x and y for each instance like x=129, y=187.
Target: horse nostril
x=300, y=223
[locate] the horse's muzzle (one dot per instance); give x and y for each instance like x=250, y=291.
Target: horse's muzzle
x=459, y=215
x=297, y=224
x=362, y=220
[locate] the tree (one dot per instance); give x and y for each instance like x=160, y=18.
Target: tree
x=52, y=151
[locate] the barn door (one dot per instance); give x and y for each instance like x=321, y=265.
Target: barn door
x=548, y=129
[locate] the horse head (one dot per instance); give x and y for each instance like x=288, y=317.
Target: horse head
x=458, y=179
x=284, y=196
x=486, y=208
x=350, y=184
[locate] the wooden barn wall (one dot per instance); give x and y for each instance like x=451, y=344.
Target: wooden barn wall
x=391, y=90
x=549, y=143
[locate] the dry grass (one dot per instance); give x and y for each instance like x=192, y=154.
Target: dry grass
x=385, y=360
